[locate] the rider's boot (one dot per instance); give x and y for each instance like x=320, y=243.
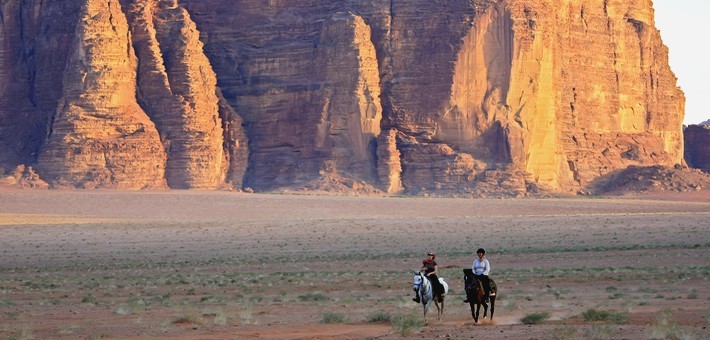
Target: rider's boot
x=465, y=300
x=488, y=298
x=416, y=299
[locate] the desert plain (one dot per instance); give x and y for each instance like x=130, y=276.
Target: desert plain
x=224, y=265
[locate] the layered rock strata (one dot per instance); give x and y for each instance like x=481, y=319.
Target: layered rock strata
x=100, y=136
x=414, y=95
x=177, y=89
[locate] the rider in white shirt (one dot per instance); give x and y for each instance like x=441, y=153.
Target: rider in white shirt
x=481, y=267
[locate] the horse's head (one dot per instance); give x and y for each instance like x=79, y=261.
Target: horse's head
x=471, y=285
x=417, y=280
x=468, y=275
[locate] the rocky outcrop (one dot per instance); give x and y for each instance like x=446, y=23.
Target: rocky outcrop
x=639, y=179
x=100, y=136
x=23, y=177
x=697, y=147
x=465, y=96
x=177, y=89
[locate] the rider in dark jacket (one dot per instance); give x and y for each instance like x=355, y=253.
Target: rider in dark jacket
x=430, y=269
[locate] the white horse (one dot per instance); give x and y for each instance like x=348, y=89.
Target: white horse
x=423, y=287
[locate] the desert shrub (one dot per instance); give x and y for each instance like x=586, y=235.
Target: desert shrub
x=379, y=316
x=562, y=333
x=333, y=318
x=616, y=296
x=599, y=332
x=220, y=316
x=69, y=330
x=313, y=297
x=666, y=328
x=190, y=317
x=123, y=309
x=406, y=324
x=535, y=318
x=604, y=316
x=89, y=299
x=24, y=333
x=246, y=314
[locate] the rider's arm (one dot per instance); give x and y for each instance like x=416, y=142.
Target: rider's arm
x=488, y=267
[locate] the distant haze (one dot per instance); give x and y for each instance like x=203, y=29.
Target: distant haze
x=684, y=26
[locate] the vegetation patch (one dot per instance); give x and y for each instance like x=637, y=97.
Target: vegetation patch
x=406, y=324
x=666, y=328
x=333, y=318
x=593, y=315
x=379, y=316
x=313, y=297
x=535, y=318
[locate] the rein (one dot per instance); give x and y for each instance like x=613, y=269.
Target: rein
x=420, y=284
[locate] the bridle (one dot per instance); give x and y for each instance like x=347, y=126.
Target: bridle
x=421, y=283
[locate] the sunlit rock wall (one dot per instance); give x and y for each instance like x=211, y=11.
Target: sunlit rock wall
x=413, y=95
x=100, y=136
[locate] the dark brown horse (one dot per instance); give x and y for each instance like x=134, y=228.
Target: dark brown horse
x=477, y=296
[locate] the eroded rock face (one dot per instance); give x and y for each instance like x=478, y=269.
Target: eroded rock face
x=697, y=147
x=100, y=136
x=413, y=95
x=177, y=89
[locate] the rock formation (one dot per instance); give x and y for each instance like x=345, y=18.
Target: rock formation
x=466, y=96
x=697, y=147
x=100, y=136
x=177, y=89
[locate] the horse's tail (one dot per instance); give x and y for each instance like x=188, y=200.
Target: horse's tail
x=445, y=285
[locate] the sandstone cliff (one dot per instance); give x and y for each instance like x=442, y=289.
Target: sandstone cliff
x=100, y=136
x=417, y=95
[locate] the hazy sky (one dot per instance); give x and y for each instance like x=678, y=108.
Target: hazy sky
x=685, y=27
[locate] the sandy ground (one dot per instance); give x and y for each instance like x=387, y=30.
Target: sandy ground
x=222, y=265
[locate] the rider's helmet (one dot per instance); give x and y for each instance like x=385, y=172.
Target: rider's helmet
x=481, y=251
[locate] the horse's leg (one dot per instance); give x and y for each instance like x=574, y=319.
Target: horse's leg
x=439, y=309
x=478, y=310
x=425, y=308
x=493, y=305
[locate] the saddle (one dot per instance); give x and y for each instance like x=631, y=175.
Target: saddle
x=471, y=280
